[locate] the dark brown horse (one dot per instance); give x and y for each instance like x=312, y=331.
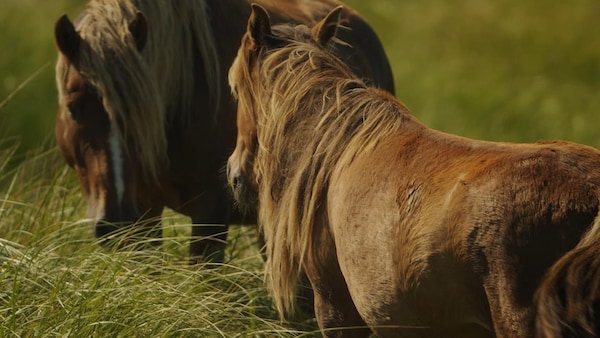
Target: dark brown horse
x=401, y=229
x=145, y=116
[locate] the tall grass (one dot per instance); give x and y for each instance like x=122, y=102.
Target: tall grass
x=56, y=281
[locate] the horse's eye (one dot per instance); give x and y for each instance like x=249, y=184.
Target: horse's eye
x=74, y=110
x=81, y=101
x=71, y=106
x=73, y=89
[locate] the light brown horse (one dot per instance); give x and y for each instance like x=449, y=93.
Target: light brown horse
x=145, y=116
x=403, y=230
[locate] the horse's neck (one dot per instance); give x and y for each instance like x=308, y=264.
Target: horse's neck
x=174, y=55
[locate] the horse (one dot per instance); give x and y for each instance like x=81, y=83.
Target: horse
x=145, y=117
x=403, y=230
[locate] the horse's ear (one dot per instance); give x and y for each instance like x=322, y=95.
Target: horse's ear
x=66, y=37
x=259, y=24
x=326, y=29
x=138, y=27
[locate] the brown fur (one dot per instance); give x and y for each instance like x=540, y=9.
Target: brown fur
x=152, y=75
x=400, y=228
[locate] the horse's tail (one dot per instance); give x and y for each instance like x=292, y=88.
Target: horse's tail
x=568, y=299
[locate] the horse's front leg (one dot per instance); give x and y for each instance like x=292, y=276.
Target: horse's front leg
x=208, y=243
x=211, y=219
x=336, y=314
x=335, y=311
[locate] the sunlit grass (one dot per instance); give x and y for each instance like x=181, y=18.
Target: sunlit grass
x=56, y=281
x=133, y=294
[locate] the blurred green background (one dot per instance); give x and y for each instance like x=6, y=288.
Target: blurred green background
x=27, y=57
x=498, y=70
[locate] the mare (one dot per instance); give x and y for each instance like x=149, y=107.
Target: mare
x=403, y=230
x=145, y=116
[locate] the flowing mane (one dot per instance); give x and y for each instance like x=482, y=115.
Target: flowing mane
x=314, y=114
x=158, y=81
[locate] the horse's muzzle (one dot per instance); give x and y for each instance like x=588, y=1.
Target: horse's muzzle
x=242, y=193
x=111, y=233
x=104, y=229
x=117, y=225
x=233, y=175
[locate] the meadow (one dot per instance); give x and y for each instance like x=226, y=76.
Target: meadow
x=497, y=70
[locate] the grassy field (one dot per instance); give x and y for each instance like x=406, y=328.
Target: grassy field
x=55, y=281
x=498, y=70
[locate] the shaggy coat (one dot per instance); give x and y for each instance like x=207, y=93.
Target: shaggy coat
x=403, y=230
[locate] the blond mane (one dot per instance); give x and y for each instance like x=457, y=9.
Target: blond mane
x=142, y=91
x=312, y=114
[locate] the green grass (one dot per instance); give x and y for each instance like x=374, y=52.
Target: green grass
x=55, y=280
x=497, y=70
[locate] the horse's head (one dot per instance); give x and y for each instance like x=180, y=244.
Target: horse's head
x=92, y=124
x=259, y=40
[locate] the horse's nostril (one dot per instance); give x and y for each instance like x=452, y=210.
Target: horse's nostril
x=235, y=181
